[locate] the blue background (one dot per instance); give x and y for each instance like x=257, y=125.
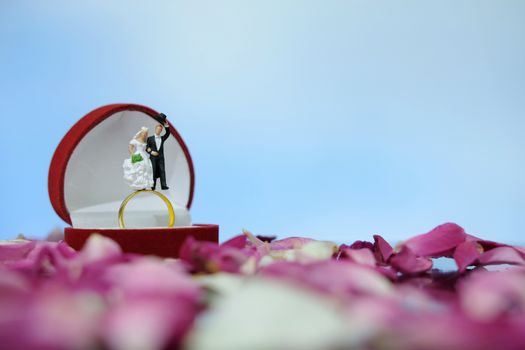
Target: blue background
x=328, y=119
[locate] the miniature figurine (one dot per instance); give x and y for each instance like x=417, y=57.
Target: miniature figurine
x=155, y=149
x=138, y=171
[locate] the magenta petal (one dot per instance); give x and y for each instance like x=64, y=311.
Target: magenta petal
x=149, y=323
x=438, y=242
x=202, y=256
x=387, y=271
x=238, y=242
x=361, y=245
x=466, y=254
x=501, y=255
x=44, y=259
x=197, y=254
x=157, y=303
x=99, y=248
x=520, y=250
x=290, y=243
x=407, y=262
x=15, y=251
x=383, y=248
x=492, y=295
x=361, y=256
x=331, y=276
x=152, y=277
x=485, y=244
x=346, y=252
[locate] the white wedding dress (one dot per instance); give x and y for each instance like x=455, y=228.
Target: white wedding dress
x=138, y=175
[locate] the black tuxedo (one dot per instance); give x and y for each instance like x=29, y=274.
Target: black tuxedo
x=157, y=161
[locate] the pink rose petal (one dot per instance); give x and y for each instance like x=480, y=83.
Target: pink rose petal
x=363, y=256
x=44, y=260
x=210, y=257
x=152, y=277
x=99, y=248
x=361, y=245
x=290, y=243
x=15, y=250
x=383, y=249
x=238, y=242
x=486, y=244
x=336, y=277
x=387, y=271
x=520, y=250
x=486, y=295
x=407, y=262
x=501, y=255
x=466, y=254
x=438, y=242
x=51, y=317
x=147, y=324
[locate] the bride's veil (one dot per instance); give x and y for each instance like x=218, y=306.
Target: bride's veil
x=140, y=132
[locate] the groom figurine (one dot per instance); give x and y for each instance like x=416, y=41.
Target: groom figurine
x=155, y=147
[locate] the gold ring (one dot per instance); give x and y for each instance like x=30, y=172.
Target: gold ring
x=128, y=198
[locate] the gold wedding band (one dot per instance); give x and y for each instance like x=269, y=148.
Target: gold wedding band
x=160, y=195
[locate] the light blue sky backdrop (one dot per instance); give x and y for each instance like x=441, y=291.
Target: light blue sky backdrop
x=329, y=119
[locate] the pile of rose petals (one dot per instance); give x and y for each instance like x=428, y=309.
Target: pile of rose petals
x=255, y=292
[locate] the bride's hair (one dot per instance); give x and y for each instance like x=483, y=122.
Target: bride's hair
x=141, y=131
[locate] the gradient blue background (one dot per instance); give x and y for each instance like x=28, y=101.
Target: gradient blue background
x=329, y=119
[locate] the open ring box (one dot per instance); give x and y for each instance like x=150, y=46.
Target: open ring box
x=86, y=185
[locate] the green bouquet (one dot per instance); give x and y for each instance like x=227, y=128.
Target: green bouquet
x=135, y=158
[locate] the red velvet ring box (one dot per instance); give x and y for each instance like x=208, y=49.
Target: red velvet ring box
x=86, y=185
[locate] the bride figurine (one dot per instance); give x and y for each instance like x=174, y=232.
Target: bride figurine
x=138, y=172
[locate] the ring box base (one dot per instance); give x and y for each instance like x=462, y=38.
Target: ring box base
x=163, y=242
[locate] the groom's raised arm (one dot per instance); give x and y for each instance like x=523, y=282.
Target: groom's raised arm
x=167, y=133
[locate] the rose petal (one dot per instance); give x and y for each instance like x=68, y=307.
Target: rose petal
x=147, y=324
x=466, y=254
x=387, y=271
x=290, y=243
x=383, y=249
x=335, y=277
x=407, y=262
x=438, y=242
x=203, y=256
x=15, y=250
x=486, y=244
x=54, y=317
x=486, y=295
x=44, y=260
x=99, y=248
x=501, y=255
x=361, y=245
x=238, y=242
x=362, y=256
x=152, y=277
x=520, y=250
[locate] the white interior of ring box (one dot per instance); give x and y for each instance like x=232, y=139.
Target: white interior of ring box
x=94, y=186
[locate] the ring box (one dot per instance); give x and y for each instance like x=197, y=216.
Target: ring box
x=86, y=185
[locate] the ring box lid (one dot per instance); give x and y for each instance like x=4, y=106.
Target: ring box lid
x=86, y=168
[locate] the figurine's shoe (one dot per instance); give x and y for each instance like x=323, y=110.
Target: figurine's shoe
x=153, y=188
x=165, y=188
